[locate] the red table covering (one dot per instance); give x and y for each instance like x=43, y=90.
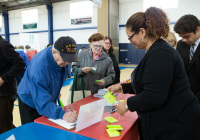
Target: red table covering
x=98, y=130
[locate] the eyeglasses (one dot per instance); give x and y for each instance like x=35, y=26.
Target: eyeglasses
x=107, y=43
x=57, y=51
x=97, y=46
x=130, y=37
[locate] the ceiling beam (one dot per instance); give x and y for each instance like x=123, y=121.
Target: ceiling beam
x=8, y=5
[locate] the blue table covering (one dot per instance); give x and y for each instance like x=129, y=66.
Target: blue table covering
x=35, y=131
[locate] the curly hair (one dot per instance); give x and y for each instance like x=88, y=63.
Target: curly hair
x=154, y=20
x=111, y=50
x=96, y=37
x=187, y=24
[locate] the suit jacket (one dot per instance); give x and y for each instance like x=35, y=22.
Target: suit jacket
x=192, y=68
x=11, y=64
x=166, y=107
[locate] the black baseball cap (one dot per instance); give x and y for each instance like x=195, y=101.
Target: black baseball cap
x=67, y=48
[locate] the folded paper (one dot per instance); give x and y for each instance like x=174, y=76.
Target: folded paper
x=113, y=133
x=109, y=97
x=114, y=127
x=111, y=119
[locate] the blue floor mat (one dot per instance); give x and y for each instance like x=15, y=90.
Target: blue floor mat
x=121, y=68
x=68, y=82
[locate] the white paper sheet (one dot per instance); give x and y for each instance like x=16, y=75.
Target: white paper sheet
x=100, y=93
x=12, y=137
x=64, y=123
x=90, y=114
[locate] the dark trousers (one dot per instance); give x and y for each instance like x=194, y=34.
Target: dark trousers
x=20, y=76
x=140, y=129
x=6, y=114
x=27, y=113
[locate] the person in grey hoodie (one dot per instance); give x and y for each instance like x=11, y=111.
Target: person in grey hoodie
x=94, y=65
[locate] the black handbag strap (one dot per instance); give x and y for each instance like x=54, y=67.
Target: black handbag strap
x=74, y=85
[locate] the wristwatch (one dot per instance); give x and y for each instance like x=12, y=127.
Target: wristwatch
x=126, y=106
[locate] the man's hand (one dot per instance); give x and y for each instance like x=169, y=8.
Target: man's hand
x=70, y=116
x=86, y=69
x=115, y=88
x=1, y=81
x=121, y=109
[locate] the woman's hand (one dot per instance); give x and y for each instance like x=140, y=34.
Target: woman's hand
x=102, y=82
x=86, y=69
x=1, y=81
x=115, y=88
x=121, y=109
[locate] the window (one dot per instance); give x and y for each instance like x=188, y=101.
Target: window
x=163, y=4
x=81, y=9
x=30, y=16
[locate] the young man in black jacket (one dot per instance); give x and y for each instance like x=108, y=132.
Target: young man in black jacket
x=11, y=64
x=188, y=28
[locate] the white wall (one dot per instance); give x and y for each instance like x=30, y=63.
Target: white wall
x=16, y=26
x=129, y=7
x=2, y=28
x=61, y=21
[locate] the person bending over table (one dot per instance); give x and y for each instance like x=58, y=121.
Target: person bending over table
x=94, y=65
x=166, y=107
x=40, y=87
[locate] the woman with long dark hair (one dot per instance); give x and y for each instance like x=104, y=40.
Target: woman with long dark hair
x=109, y=49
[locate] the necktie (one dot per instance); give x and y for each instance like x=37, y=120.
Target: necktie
x=192, y=50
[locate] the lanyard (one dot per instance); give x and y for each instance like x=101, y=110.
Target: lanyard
x=97, y=56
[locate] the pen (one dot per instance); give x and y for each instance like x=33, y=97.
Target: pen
x=71, y=109
x=73, y=125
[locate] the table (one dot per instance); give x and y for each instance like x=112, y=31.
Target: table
x=36, y=131
x=98, y=130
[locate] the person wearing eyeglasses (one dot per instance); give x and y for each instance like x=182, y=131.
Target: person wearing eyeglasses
x=94, y=64
x=166, y=107
x=40, y=87
x=109, y=49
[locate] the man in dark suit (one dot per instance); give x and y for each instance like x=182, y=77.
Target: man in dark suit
x=188, y=27
x=11, y=64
